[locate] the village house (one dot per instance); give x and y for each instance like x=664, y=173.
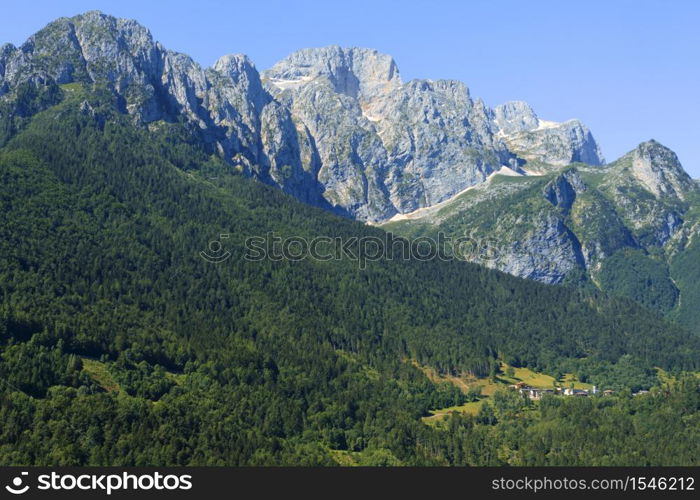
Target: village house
x=575, y=392
x=533, y=393
x=536, y=393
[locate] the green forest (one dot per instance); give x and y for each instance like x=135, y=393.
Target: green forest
x=120, y=345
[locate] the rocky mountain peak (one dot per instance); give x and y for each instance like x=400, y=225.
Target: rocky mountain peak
x=386, y=147
x=104, y=26
x=554, y=143
x=234, y=65
x=91, y=46
x=551, y=142
x=88, y=48
x=658, y=169
x=356, y=72
x=236, y=74
x=515, y=116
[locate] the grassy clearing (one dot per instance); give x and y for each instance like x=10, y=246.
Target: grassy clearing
x=569, y=379
x=345, y=458
x=471, y=408
x=541, y=380
x=99, y=372
x=489, y=387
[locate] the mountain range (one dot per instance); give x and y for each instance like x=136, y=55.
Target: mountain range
x=122, y=161
x=629, y=228
x=338, y=128
x=333, y=127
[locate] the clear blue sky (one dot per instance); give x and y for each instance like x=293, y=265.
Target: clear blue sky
x=630, y=69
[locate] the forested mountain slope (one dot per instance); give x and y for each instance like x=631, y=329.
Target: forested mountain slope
x=339, y=129
x=121, y=345
x=630, y=228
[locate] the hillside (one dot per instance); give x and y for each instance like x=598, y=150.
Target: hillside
x=338, y=128
x=629, y=228
x=136, y=328
x=247, y=362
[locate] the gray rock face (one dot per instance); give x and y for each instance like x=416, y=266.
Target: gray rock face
x=334, y=127
x=649, y=186
x=547, y=253
x=565, y=224
x=657, y=168
x=327, y=98
x=438, y=143
x=390, y=147
x=386, y=147
x=539, y=140
x=636, y=206
x=536, y=243
x=91, y=48
x=515, y=116
x=260, y=135
x=6, y=52
x=561, y=192
x=226, y=104
x=358, y=73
